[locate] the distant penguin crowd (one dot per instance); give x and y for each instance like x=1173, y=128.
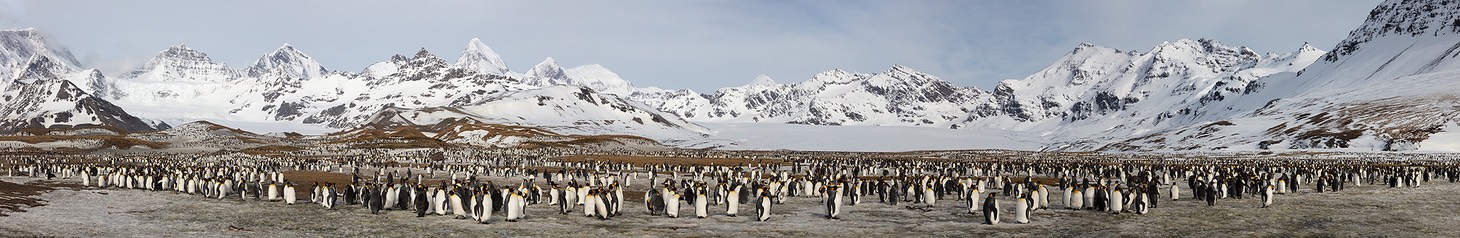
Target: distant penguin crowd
x=501, y=187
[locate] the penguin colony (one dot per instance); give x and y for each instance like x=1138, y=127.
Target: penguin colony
x=466, y=184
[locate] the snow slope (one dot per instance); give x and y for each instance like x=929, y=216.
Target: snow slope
x=566, y=110
x=1388, y=86
x=41, y=96
x=898, y=96
x=17, y=46
x=775, y=136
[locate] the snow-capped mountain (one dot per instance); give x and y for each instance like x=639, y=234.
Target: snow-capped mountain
x=600, y=79
x=480, y=58
x=898, y=96
x=1388, y=86
x=344, y=100
x=1093, y=93
x=546, y=73
x=182, y=64
x=17, y=46
x=562, y=109
x=289, y=86
x=286, y=62
x=180, y=83
x=41, y=95
x=1092, y=80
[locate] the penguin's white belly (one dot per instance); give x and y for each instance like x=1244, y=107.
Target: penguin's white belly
x=289, y=196
x=602, y=208
x=1067, y=201
x=1021, y=211
x=1116, y=202
x=589, y=208
x=701, y=209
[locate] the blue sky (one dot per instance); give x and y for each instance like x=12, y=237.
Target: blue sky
x=700, y=45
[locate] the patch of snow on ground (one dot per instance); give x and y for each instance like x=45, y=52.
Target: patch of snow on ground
x=1444, y=141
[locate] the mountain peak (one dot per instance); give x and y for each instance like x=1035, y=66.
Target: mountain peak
x=1400, y=18
x=836, y=76
x=39, y=68
x=1085, y=47
x=423, y=54
x=286, y=61
x=480, y=58
x=762, y=80
x=1308, y=48
x=901, y=68
x=599, y=79
x=46, y=101
x=182, y=63
x=181, y=51
x=17, y=46
x=546, y=73
x=546, y=65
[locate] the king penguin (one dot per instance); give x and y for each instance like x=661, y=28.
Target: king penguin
x=330, y=197
x=602, y=206
x=1021, y=210
x=423, y=204
x=289, y=194
x=763, y=207
x=672, y=204
x=273, y=192
x=972, y=200
x=1089, y=199
x=458, y=207
x=1267, y=192
x=1068, y=194
x=514, y=207
x=589, y=207
x=1117, y=201
x=487, y=201
x=732, y=199
x=1034, y=200
x=1142, y=203
x=701, y=205
x=1043, y=197
x=991, y=209
x=374, y=199
x=1175, y=191
x=438, y=201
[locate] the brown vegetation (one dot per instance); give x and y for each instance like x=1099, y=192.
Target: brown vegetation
x=648, y=160
x=270, y=149
x=16, y=197
x=118, y=142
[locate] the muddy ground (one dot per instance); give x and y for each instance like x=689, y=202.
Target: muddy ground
x=59, y=208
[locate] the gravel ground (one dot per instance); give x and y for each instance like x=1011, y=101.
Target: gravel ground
x=69, y=211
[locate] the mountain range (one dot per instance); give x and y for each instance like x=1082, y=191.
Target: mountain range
x=1387, y=86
